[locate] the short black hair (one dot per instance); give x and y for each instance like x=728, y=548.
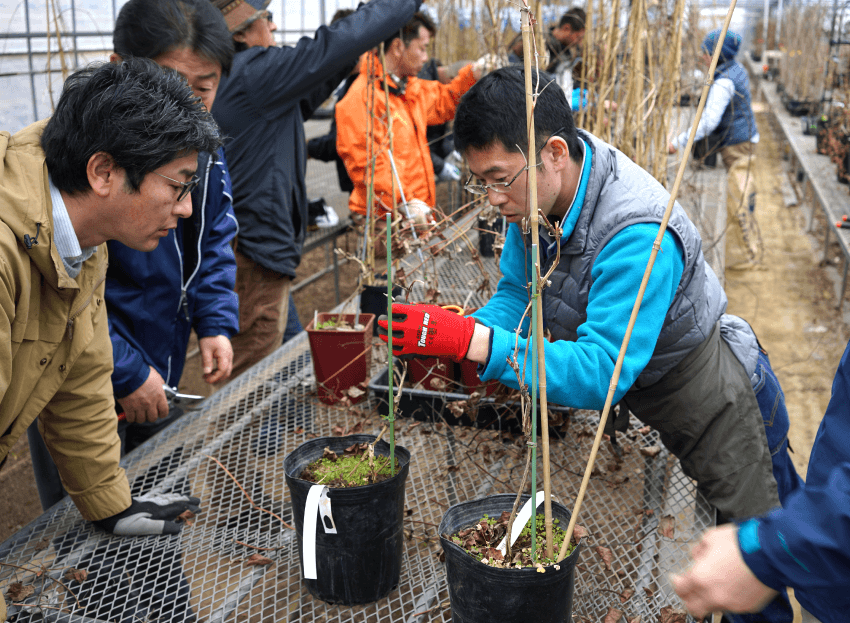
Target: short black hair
x=575, y=18
x=148, y=28
x=141, y=114
x=493, y=110
x=341, y=14
x=410, y=30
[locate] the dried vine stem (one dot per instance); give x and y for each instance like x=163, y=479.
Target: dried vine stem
x=245, y=493
x=62, y=584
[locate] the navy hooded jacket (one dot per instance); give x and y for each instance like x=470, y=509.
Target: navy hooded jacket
x=155, y=298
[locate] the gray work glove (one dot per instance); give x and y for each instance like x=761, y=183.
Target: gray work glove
x=152, y=513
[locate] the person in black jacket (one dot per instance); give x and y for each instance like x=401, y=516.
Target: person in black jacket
x=260, y=106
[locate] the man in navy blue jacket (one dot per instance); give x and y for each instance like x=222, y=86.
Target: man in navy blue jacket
x=805, y=545
x=261, y=107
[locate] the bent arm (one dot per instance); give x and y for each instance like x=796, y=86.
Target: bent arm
x=578, y=373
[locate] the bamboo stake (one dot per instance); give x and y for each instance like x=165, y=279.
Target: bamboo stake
x=538, y=358
x=612, y=387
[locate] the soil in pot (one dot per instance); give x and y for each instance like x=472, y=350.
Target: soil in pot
x=480, y=593
x=356, y=466
x=361, y=563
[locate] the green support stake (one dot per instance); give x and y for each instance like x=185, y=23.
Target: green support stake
x=391, y=414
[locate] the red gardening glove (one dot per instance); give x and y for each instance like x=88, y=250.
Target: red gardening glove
x=428, y=331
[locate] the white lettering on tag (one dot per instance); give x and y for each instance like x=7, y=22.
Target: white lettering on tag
x=426, y=318
x=421, y=343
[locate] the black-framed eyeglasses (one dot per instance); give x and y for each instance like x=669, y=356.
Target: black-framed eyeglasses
x=503, y=187
x=188, y=187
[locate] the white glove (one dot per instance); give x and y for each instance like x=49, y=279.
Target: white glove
x=417, y=211
x=490, y=62
x=449, y=173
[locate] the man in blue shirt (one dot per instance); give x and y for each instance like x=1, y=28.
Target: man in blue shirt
x=692, y=372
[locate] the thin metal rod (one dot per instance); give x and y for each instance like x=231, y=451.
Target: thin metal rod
x=655, y=248
x=390, y=378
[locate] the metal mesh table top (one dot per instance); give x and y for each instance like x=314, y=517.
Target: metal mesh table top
x=641, y=512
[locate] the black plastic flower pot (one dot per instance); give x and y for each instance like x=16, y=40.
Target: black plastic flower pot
x=373, y=300
x=486, y=238
x=482, y=594
x=361, y=563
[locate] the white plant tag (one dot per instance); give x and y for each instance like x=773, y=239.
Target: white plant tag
x=521, y=519
x=318, y=503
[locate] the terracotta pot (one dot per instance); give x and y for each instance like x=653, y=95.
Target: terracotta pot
x=341, y=359
x=436, y=374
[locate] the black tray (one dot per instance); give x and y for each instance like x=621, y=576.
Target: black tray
x=488, y=412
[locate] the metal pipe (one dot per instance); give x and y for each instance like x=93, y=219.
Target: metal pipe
x=29, y=59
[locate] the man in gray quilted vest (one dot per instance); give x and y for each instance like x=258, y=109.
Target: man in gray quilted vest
x=692, y=372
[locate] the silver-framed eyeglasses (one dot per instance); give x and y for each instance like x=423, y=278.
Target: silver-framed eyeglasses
x=503, y=187
x=187, y=186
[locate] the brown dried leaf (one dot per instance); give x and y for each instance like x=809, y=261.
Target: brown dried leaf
x=42, y=544
x=328, y=453
x=667, y=526
x=579, y=532
x=19, y=592
x=299, y=430
x=613, y=615
x=457, y=407
x=606, y=555
x=634, y=619
x=355, y=392
x=626, y=594
x=650, y=451
x=337, y=431
x=78, y=575
x=669, y=614
x=186, y=516
x=644, y=430
x=258, y=560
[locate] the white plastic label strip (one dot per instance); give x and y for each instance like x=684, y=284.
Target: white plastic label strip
x=519, y=522
x=318, y=503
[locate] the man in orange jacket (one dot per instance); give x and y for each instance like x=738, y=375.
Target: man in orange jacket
x=414, y=104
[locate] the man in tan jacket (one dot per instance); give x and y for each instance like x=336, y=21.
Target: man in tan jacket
x=115, y=162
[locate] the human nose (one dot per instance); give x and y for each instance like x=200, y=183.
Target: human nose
x=496, y=198
x=183, y=208
x=272, y=26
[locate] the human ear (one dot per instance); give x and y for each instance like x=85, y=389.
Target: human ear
x=103, y=174
x=559, y=151
x=115, y=59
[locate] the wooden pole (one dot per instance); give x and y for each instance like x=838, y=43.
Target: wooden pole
x=537, y=310
x=656, y=246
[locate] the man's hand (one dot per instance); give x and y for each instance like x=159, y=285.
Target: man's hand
x=148, y=403
x=152, y=513
x=216, y=358
x=719, y=578
x=428, y=331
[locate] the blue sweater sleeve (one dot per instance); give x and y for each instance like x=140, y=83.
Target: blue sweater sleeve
x=578, y=373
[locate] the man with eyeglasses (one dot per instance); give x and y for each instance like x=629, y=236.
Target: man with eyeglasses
x=261, y=107
x=113, y=162
x=693, y=373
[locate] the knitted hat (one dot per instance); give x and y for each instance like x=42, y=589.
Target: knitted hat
x=237, y=12
x=730, y=44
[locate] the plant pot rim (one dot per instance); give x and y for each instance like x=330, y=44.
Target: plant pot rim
x=404, y=458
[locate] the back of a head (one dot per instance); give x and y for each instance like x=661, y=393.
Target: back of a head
x=410, y=30
x=493, y=111
x=149, y=28
x=140, y=114
x=729, y=49
x=575, y=18
x=341, y=14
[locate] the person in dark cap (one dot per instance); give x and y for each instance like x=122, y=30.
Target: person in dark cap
x=261, y=107
x=729, y=125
